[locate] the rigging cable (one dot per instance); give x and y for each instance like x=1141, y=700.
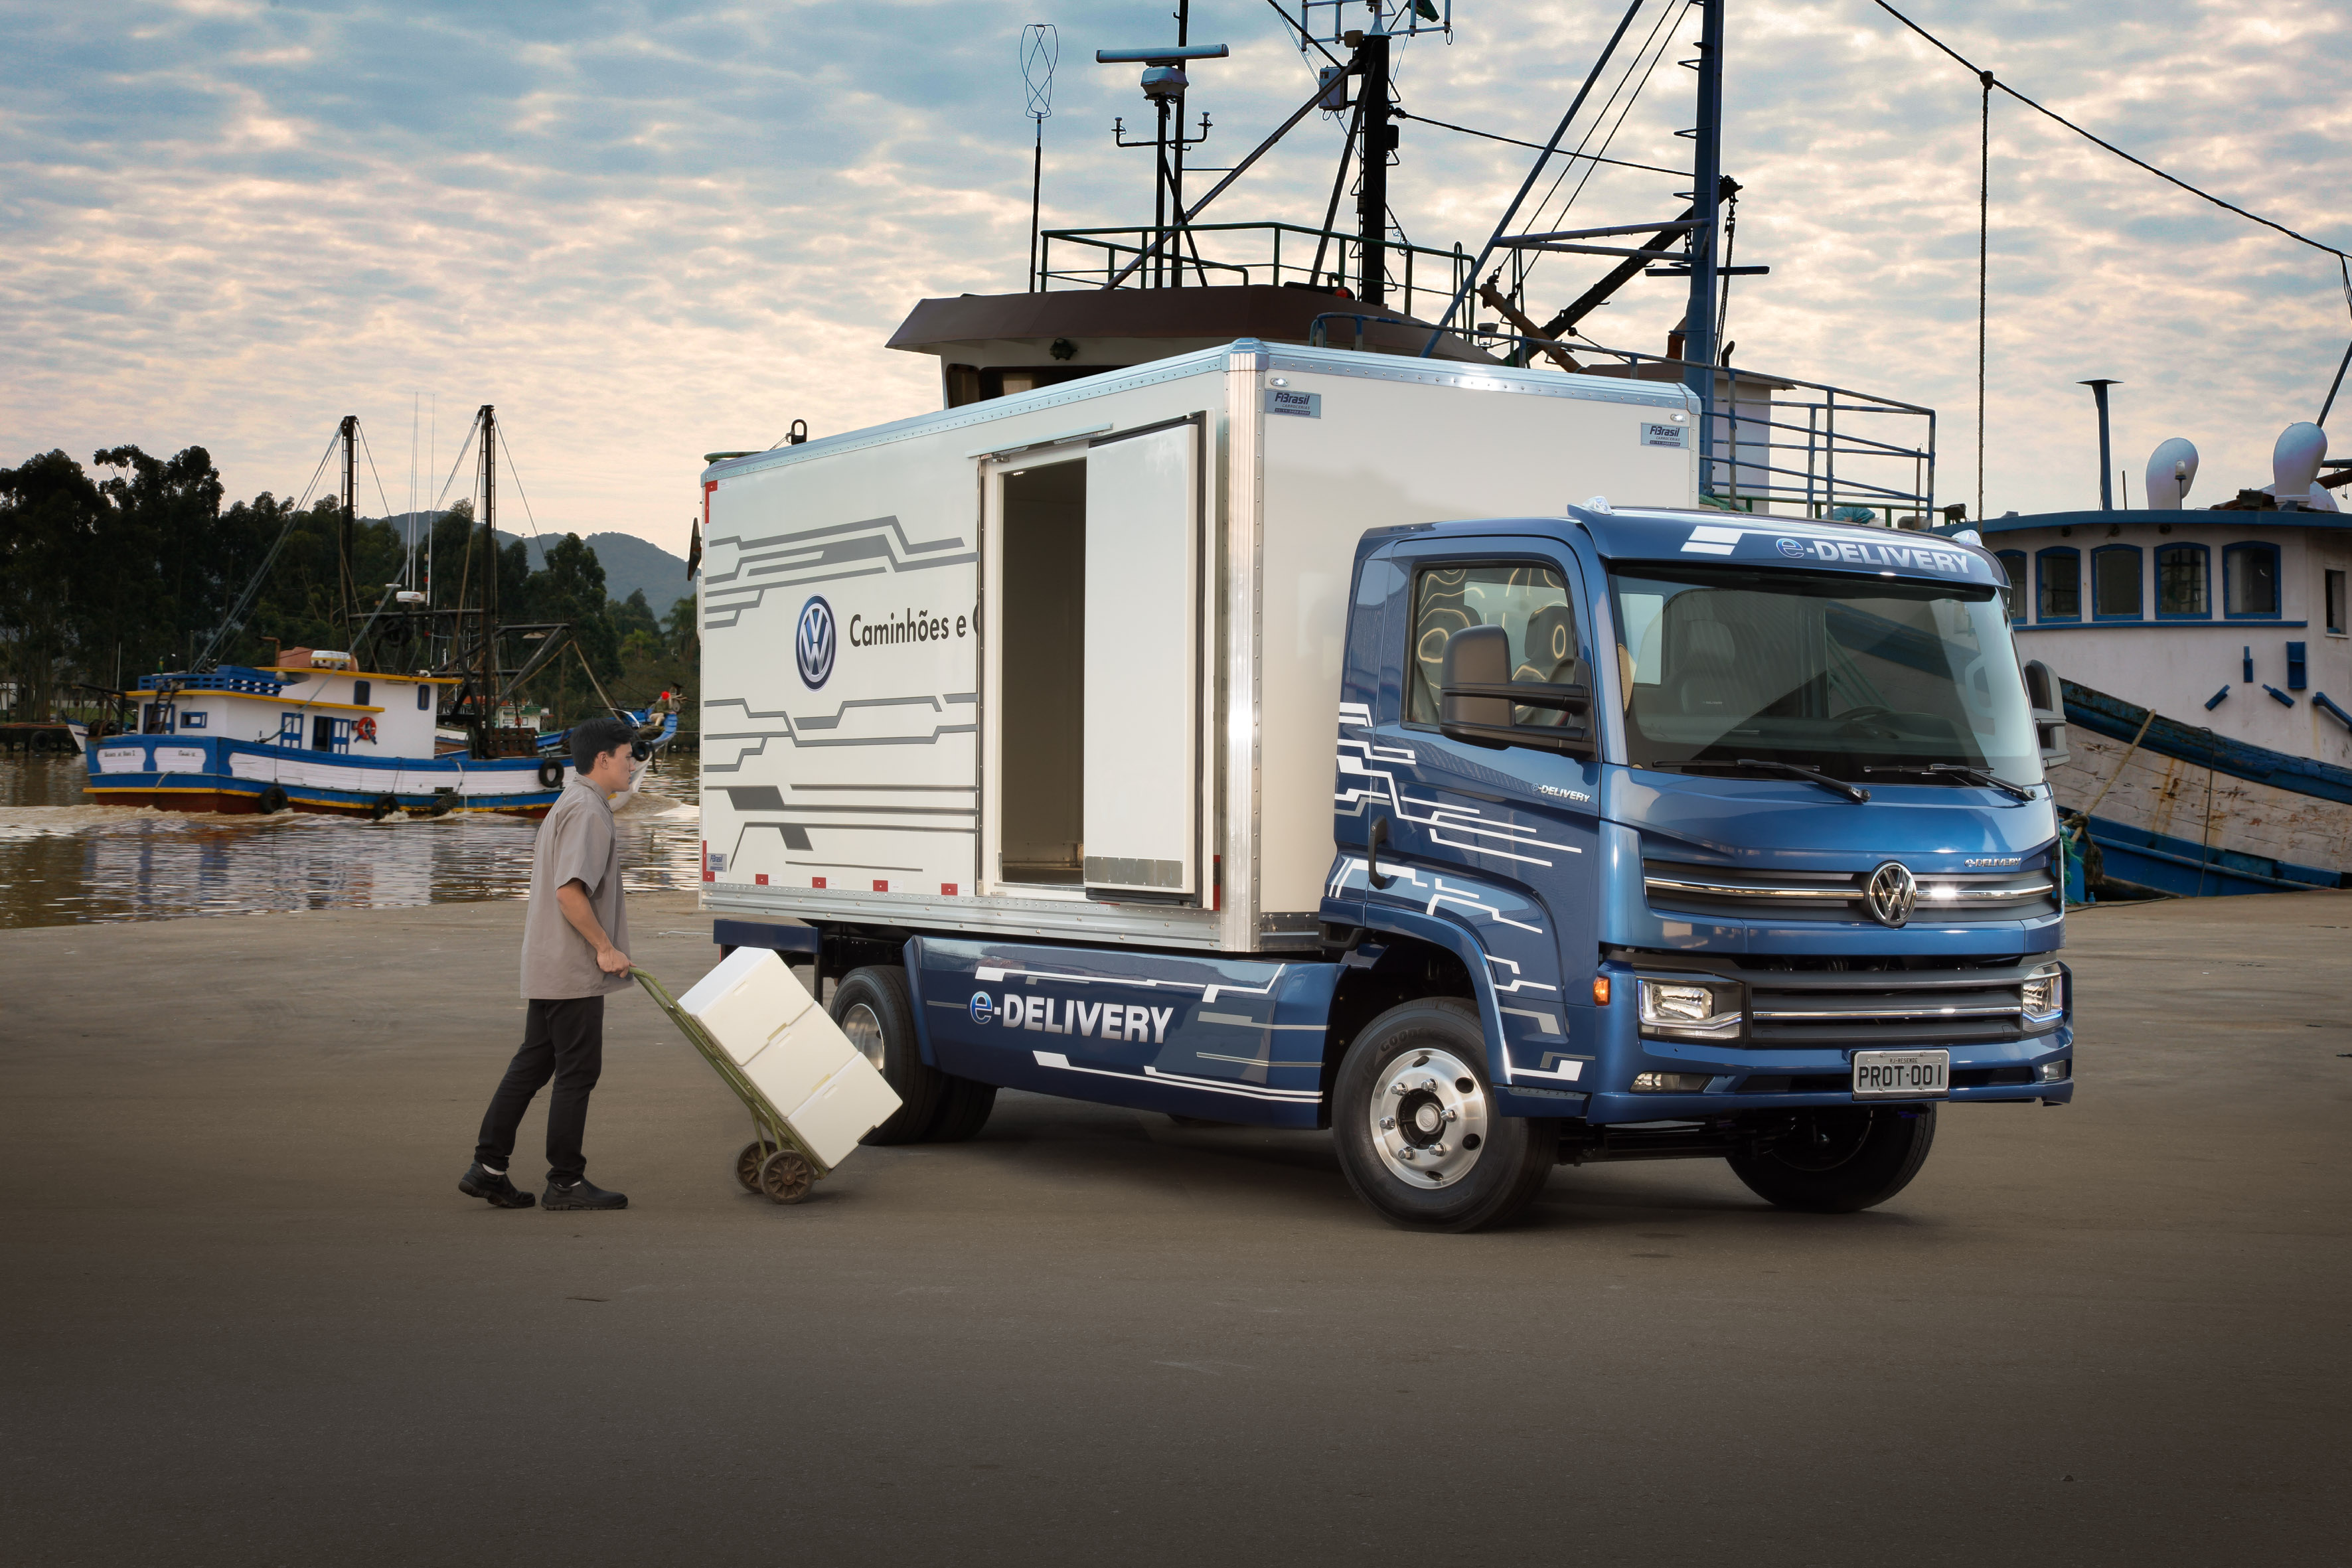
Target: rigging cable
x=1535, y=146
x=1657, y=54
x=2053, y=114
x=2337, y=385
x=1984, y=236
x=516, y=475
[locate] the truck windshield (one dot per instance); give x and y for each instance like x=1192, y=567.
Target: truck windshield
x=1836, y=673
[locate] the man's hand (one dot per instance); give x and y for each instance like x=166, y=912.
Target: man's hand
x=611, y=960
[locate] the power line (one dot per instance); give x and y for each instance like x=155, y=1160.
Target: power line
x=2140, y=163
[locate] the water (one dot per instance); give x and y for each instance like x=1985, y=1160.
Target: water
x=63, y=863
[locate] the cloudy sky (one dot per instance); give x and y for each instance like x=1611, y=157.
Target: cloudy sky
x=650, y=230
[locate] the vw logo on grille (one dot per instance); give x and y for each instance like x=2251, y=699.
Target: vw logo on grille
x=1891, y=892
x=812, y=643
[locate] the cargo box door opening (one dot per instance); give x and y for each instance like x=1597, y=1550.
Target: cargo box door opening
x=1141, y=776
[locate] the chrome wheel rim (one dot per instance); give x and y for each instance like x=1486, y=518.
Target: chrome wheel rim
x=1429, y=1118
x=864, y=1028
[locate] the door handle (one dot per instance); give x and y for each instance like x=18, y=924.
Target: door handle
x=1377, y=835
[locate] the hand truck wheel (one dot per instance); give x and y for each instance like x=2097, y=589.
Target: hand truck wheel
x=786, y=1177
x=747, y=1164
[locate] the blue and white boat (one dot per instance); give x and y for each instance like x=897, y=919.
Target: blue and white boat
x=2203, y=661
x=315, y=733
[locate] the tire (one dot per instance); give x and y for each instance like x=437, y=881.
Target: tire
x=384, y=806
x=445, y=800
x=1840, y=1159
x=271, y=802
x=873, y=1008
x=963, y=1109
x=1472, y=1168
x=550, y=775
x=748, y=1162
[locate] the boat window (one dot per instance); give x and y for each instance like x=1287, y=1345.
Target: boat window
x=1530, y=604
x=424, y=697
x=2013, y=561
x=2181, y=576
x=289, y=729
x=2250, y=580
x=1828, y=671
x=2335, y=603
x=2059, y=585
x=359, y=693
x=2115, y=582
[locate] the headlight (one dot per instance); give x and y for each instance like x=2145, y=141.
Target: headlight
x=2045, y=995
x=1699, y=1006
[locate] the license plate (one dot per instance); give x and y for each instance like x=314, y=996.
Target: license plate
x=1901, y=1074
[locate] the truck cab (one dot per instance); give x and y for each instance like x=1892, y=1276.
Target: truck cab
x=1735, y=827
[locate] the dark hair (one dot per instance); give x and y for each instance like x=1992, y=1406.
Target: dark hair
x=592, y=738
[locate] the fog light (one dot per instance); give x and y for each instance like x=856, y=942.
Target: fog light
x=2058, y=1071
x=1669, y=1082
x=2043, y=995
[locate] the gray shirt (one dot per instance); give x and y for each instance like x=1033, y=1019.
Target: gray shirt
x=576, y=844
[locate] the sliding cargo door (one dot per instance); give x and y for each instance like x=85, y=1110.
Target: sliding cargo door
x=1143, y=571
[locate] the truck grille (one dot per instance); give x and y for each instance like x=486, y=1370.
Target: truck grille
x=1856, y=1003
x=1945, y=898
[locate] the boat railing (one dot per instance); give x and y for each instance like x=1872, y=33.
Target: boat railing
x=1782, y=445
x=1208, y=253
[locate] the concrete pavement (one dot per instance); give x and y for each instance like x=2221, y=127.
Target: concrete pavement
x=249, y=1320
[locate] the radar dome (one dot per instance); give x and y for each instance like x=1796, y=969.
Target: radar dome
x=2294, y=461
x=2171, y=470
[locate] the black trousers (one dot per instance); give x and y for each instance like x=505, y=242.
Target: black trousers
x=563, y=1040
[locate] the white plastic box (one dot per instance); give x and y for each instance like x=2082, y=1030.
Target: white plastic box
x=791, y=1050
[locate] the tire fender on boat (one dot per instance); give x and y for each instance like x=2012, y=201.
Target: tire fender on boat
x=550, y=775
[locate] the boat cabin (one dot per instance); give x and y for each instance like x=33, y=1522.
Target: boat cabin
x=307, y=700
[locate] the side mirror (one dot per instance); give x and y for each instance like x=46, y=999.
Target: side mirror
x=1477, y=695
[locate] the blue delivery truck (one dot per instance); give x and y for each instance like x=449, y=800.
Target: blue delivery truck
x=1635, y=833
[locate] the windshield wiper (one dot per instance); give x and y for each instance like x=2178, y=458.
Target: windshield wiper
x=1853, y=792
x=1973, y=776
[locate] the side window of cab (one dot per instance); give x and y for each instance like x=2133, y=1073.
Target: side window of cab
x=1523, y=630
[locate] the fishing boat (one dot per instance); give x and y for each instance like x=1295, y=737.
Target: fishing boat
x=2203, y=661
x=320, y=730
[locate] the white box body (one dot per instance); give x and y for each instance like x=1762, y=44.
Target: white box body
x=791, y=1050
x=863, y=680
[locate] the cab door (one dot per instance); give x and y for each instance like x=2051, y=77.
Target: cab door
x=1494, y=822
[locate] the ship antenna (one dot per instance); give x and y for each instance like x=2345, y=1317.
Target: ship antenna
x=1041, y=51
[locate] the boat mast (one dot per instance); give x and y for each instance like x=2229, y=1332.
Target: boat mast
x=1376, y=139
x=349, y=435
x=487, y=713
x=1706, y=178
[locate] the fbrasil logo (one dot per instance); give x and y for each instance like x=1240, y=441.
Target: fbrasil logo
x=983, y=1007
x=812, y=643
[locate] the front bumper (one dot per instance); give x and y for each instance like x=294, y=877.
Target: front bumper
x=1740, y=1082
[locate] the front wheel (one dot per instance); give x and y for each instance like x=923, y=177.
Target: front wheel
x=1414, y=1120
x=1839, y=1159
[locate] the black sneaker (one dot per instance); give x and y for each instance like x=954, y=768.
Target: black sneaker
x=497, y=1190
x=582, y=1194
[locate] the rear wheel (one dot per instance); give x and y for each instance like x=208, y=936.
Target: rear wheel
x=1840, y=1159
x=1414, y=1120
x=874, y=1009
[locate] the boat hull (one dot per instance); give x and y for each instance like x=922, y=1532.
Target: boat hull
x=185, y=773
x=2175, y=807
